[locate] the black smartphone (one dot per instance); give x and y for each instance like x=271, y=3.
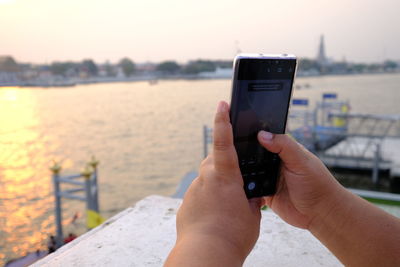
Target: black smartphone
x=261, y=92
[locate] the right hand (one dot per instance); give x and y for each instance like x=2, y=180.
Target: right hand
x=308, y=196
x=306, y=189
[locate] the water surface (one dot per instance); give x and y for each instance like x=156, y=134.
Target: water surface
x=145, y=136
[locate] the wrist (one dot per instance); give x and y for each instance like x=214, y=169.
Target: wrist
x=332, y=213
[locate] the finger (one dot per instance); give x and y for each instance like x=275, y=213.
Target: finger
x=256, y=204
x=287, y=148
x=225, y=157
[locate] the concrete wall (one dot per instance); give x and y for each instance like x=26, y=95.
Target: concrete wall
x=144, y=234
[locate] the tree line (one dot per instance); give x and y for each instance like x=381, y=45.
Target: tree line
x=170, y=67
x=129, y=67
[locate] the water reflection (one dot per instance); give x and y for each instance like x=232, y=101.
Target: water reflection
x=25, y=189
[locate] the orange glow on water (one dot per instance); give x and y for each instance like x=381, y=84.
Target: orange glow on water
x=25, y=192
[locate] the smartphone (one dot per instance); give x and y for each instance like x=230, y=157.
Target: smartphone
x=261, y=92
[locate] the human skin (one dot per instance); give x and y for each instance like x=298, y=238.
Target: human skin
x=218, y=226
x=355, y=231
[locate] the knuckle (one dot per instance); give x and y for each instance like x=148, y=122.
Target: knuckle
x=205, y=162
x=197, y=182
x=205, y=171
x=221, y=145
x=194, y=188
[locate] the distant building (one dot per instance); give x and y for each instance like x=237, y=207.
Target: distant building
x=322, y=60
x=219, y=73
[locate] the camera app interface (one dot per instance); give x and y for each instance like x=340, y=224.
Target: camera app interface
x=262, y=94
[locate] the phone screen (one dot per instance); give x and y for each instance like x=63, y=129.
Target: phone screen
x=260, y=100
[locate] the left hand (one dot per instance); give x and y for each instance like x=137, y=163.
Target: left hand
x=216, y=221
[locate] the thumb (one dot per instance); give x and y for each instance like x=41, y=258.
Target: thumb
x=287, y=148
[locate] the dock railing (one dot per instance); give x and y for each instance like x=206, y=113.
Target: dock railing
x=89, y=185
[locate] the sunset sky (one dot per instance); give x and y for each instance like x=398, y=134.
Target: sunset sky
x=42, y=31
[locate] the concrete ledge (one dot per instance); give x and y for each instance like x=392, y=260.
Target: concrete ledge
x=144, y=234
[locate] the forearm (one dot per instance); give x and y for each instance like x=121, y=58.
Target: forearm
x=203, y=251
x=359, y=233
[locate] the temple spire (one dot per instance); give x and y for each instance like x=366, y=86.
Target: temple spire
x=321, y=57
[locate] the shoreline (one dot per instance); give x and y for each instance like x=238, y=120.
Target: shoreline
x=152, y=79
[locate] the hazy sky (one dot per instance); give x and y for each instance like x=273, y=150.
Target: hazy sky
x=155, y=30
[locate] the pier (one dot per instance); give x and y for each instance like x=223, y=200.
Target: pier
x=344, y=140
x=352, y=141
x=89, y=186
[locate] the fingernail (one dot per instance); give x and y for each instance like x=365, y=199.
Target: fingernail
x=266, y=136
x=221, y=107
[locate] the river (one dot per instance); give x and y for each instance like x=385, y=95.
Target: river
x=145, y=136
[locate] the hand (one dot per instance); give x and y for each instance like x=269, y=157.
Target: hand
x=306, y=188
x=216, y=224
x=355, y=231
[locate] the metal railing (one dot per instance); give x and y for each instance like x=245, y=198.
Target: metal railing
x=338, y=137
x=89, y=185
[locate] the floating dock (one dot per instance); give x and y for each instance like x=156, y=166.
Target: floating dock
x=346, y=140
x=355, y=153
x=342, y=139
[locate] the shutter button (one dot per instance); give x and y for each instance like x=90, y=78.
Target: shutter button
x=251, y=186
